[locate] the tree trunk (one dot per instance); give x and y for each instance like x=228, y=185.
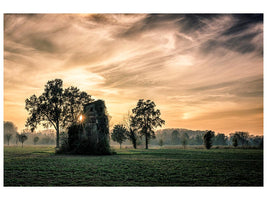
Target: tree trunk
x=120, y=145
x=146, y=141
x=57, y=145
x=8, y=142
x=134, y=143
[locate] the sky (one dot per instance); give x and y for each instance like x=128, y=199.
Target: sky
x=204, y=72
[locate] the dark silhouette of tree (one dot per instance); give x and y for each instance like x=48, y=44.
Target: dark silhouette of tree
x=131, y=135
x=35, y=140
x=208, y=139
x=9, y=130
x=22, y=138
x=55, y=107
x=235, y=140
x=147, y=119
x=74, y=101
x=261, y=143
x=242, y=137
x=131, y=129
x=119, y=134
x=47, y=108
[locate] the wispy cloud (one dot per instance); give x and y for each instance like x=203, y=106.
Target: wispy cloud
x=201, y=70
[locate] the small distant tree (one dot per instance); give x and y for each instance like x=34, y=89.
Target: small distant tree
x=161, y=142
x=175, y=137
x=22, y=138
x=235, y=140
x=184, y=139
x=8, y=136
x=119, y=134
x=208, y=139
x=9, y=130
x=35, y=140
x=242, y=137
x=17, y=138
x=147, y=118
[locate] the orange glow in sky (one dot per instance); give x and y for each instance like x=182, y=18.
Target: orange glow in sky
x=202, y=71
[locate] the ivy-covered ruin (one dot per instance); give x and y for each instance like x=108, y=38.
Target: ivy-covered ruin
x=91, y=134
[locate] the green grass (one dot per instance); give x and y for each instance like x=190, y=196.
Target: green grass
x=39, y=166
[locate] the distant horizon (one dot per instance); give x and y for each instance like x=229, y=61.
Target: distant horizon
x=160, y=129
x=203, y=71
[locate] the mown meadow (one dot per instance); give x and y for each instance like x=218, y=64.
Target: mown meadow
x=40, y=166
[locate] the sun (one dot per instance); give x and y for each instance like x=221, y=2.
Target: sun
x=80, y=118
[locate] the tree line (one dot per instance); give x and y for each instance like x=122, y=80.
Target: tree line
x=186, y=137
x=60, y=108
x=12, y=136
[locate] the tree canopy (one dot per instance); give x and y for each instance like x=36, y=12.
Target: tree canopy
x=147, y=118
x=55, y=107
x=119, y=133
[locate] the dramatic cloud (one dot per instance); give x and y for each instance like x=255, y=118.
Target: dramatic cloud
x=202, y=71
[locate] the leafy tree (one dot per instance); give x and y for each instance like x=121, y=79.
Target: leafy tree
x=9, y=130
x=47, y=108
x=22, y=138
x=119, y=134
x=235, y=140
x=208, y=139
x=35, y=139
x=146, y=119
x=74, y=101
x=55, y=107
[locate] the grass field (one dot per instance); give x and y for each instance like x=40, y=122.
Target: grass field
x=39, y=166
